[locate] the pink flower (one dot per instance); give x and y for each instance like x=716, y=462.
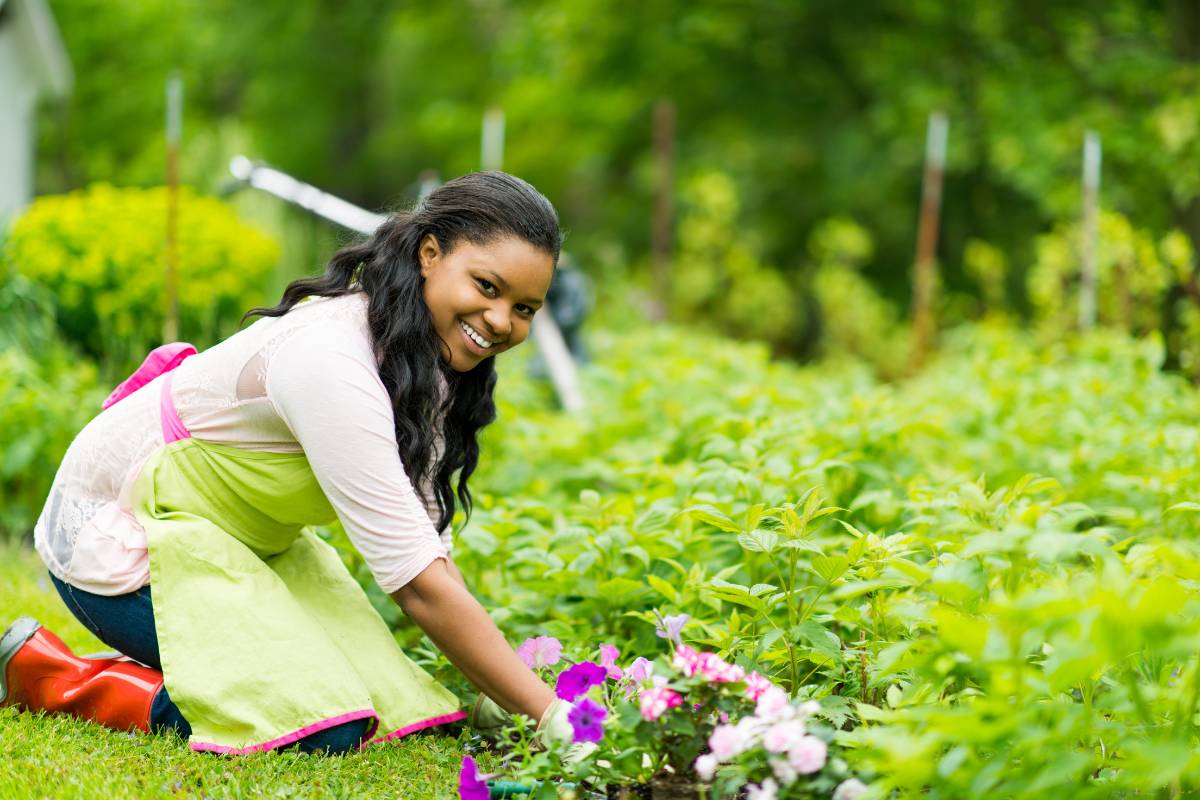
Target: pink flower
x=774, y=704
x=706, y=767
x=712, y=667
x=540, y=651
x=471, y=785
x=756, y=685
x=850, y=789
x=767, y=791
x=727, y=741
x=808, y=756
x=808, y=708
x=655, y=702
x=608, y=660
x=783, y=736
x=686, y=660
x=576, y=680
x=639, y=670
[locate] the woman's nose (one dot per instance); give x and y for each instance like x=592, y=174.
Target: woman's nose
x=498, y=320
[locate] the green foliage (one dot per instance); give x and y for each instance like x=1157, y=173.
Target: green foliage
x=986, y=574
x=47, y=394
x=101, y=252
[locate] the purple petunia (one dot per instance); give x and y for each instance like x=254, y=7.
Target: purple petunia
x=471, y=785
x=586, y=720
x=578, y=679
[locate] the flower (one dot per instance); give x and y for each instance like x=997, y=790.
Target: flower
x=540, y=651
x=576, y=680
x=712, y=667
x=808, y=708
x=608, y=660
x=471, y=785
x=783, y=771
x=783, y=736
x=756, y=685
x=586, y=720
x=706, y=767
x=686, y=660
x=774, y=704
x=849, y=789
x=767, y=791
x=808, y=756
x=639, y=670
x=655, y=702
x=727, y=741
x=670, y=627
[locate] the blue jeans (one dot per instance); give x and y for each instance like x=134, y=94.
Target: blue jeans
x=126, y=623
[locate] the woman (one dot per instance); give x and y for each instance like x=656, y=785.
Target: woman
x=175, y=528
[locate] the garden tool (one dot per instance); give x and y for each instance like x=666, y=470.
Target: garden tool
x=38, y=672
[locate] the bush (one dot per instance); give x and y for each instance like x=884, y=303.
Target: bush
x=47, y=394
x=101, y=251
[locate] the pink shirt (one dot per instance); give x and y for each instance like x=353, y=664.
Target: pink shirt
x=305, y=382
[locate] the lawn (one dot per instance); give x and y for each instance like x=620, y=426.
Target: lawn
x=61, y=757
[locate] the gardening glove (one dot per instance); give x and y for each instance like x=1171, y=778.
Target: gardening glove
x=555, y=728
x=487, y=716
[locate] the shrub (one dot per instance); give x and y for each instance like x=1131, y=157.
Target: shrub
x=101, y=251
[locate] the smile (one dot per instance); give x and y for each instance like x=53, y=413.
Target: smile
x=475, y=336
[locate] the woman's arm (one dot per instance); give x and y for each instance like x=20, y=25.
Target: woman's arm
x=460, y=627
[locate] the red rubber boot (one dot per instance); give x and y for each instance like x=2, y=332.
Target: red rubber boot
x=40, y=673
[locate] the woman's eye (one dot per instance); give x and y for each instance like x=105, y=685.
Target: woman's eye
x=487, y=286
x=525, y=310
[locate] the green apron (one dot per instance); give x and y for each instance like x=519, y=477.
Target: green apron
x=264, y=635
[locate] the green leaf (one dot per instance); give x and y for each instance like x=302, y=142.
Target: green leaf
x=830, y=568
x=1188, y=506
x=663, y=587
x=820, y=638
x=759, y=541
x=712, y=516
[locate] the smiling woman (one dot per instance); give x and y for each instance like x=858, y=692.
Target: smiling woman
x=359, y=396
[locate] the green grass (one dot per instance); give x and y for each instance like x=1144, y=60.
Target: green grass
x=61, y=757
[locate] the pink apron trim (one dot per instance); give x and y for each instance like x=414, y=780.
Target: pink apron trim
x=416, y=726
x=294, y=736
x=172, y=426
x=161, y=359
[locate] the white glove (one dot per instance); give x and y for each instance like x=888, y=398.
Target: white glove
x=555, y=728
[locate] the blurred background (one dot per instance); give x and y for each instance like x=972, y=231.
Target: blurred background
x=756, y=169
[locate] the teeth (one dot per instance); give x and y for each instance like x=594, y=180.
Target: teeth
x=475, y=337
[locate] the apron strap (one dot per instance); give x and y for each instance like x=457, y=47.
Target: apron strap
x=161, y=359
x=172, y=426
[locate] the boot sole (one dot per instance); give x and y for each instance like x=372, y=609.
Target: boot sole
x=13, y=640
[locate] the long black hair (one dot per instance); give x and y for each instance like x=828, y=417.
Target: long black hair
x=480, y=208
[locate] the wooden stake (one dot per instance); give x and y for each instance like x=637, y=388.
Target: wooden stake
x=663, y=223
x=925, y=266
x=1087, y=238
x=491, y=146
x=174, y=134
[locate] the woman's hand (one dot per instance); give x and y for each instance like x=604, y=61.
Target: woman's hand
x=459, y=626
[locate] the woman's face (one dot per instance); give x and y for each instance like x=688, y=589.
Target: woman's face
x=482, y=297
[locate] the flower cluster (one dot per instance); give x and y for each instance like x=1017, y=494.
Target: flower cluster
x=694, y=712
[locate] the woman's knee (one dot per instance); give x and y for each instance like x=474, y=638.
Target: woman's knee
x=337, y=739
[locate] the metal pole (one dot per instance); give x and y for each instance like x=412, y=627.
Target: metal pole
x=174, y=134
x=491, y=145
x=1087, y=239
x=925, y=267
x=662, y=223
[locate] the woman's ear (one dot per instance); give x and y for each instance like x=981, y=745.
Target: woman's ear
x=429, y=253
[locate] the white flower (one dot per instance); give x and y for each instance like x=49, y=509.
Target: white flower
x=706, y=767
x=783, y=736
x=808, y=708
x=808, y=756
x=767, y=791
x=850, y=789
x=783, y=771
